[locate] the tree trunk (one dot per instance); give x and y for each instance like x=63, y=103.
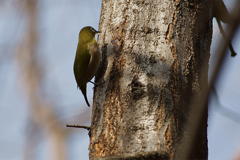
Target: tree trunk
x=152, y=52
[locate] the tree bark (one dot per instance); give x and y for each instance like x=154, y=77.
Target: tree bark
x=152, y=52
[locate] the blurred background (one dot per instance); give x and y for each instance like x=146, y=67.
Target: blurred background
x=38, y=92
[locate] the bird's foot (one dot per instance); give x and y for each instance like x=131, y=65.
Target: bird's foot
x=96, y=84
x=92, y=82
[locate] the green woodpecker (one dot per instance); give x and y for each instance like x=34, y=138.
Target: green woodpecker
x=87, y=59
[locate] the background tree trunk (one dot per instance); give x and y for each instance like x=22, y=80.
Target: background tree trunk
x=42, y=113
x=152, y=52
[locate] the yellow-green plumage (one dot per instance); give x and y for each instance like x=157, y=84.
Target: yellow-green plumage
x=87, y=59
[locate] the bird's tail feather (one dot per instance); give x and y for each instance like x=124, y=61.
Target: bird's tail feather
x=84, y=92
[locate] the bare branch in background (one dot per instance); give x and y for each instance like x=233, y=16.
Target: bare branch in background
x=32, y=140
x=221, y=13
x=237, y=156
x=41, y=110
x=224, y=110
x=199, y=102
x=233, y=52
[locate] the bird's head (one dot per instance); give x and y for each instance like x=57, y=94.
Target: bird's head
x=87, y=34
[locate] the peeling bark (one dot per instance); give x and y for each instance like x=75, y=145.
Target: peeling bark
x=151, y=57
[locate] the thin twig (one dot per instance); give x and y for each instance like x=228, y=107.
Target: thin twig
x=78, y=126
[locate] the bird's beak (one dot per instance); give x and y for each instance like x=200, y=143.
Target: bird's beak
x=98, y=32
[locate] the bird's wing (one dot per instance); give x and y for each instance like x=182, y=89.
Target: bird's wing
x=94, y=60
x=81, y=66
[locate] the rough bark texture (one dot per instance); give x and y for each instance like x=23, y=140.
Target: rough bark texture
x=151, y=56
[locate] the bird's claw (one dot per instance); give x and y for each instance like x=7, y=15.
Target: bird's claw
x=96, y=84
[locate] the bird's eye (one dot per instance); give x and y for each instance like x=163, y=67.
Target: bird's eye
x=92, y=29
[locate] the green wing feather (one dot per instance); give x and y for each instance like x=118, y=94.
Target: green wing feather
x=81, y=67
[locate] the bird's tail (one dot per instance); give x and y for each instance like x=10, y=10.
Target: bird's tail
x=84, y=92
